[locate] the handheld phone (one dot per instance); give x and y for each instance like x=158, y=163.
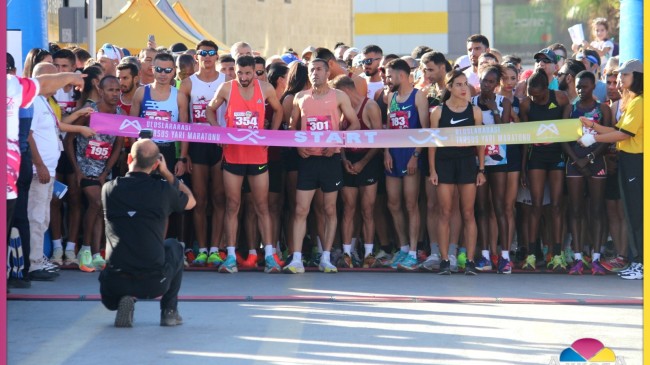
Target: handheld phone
x=152, y=38
x=145, y=134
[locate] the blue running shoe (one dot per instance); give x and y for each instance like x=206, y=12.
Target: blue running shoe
x=483, y=264
x=229, y=265
x=399, y=257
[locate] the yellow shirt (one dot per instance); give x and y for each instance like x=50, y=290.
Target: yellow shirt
x=631, y=123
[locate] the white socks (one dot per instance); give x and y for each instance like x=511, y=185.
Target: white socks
x=70, y=246
x=57, y=243
x=325, y=257
x=505, y=254
x=268, y=250
x=347, y=249
x=486, y=254
x=231, y=251
x=368, y=247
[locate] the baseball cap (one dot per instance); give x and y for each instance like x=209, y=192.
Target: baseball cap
x=632, y=65
x=109, y=51
x=350, y=50
x=358, y=59
x=546, y=53
x=310, y=49
x=581, y=56
x=11, y=64
x=178, y=48
x=288, y=58
x=462, y=63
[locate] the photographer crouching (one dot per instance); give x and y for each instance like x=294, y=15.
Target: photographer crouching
x=140, y=263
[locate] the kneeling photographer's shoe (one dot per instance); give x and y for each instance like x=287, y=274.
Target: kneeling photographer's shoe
x=170, y=317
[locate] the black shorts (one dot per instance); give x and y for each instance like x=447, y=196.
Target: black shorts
x=275, y=178
x=546, y=161
x=290, y=158
x=496, y=168
x=368, y=176
x=598, y=169
x=205, y=153
x=85, y=183
x=461, y=170
x=241, y=169
x=168, y=150
x=316, y=172
x=64, y=166
x=513, y=154
x=612, y=190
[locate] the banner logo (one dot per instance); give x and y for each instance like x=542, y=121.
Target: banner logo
x=252, y=136
x=130, y=123
x=543, y=128
x=434, y=135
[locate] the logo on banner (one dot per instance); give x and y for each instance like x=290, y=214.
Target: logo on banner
x=587, y=351
x=130, y=123
x=434, y=134
x=251, y=136
x=543, y=128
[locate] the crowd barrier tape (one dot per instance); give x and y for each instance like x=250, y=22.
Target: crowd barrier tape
x=550, y=131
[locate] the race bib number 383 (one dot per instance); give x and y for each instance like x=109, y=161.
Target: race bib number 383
x=98, y=150
x=247, y=119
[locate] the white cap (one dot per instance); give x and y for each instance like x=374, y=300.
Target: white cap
x=109, y=51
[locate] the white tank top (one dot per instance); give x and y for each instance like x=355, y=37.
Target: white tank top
x=201, y=94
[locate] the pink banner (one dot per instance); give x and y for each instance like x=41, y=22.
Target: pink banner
x=514, y=133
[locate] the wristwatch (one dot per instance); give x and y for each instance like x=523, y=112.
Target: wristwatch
x=183, y=159
x=416, y=154
x=591, y=157
x=481, y=171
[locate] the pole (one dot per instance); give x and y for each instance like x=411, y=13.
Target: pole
x=92, y=46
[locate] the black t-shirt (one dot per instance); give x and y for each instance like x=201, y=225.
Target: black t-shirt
x=448, y=118
x=136, y=208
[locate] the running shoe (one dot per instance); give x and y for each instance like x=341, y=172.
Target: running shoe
x=635, y=274
x=521, y=253
x=223, y=254
x=85, y=259
x=483, y=264
x=49, y=265
x=345, y=261
x=57, y=256
x=557, y=263
x=633, y=267
x=577, y=268
x=271, y=266
x=356, y=261
x=188, y=257
x=214, y=260
x=401, y=255
x=421, y=255
x=470, y=268
x=314, y=260
x=202, y=258
x=250, y=262
x=494, y=259
x=381, y=254
x=453, y=263
x=462, y=259
x=616, y=264
x=529, y=263
x=587, y=261
x=327, y=267
x=444, y=268
x=69, y=258
x=505, y=266
x=568, y=255
x=229, y=265
x=98, y=262
x=597, y=268
x=409, y=263
x=239, y=259
x=431, y=263
x=369, y=261
x=294, y=268
x=278, y=260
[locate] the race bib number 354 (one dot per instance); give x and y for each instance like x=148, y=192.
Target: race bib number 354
x=246, y=119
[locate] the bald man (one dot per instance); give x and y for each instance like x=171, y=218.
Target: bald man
x=141, y=263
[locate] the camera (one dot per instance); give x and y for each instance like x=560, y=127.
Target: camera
x=145, y=134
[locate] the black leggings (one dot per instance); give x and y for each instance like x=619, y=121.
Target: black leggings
x=630, y=168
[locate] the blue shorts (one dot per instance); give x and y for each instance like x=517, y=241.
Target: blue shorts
x=401, y=157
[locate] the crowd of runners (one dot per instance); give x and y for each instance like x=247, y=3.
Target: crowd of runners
x=568, y=207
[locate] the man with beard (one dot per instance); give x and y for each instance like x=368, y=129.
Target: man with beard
x=567, y=77
x=128, y=76
x=204, y=160
x=319, y=109
x=245, y=98
x=477, y=44
x=372, y=55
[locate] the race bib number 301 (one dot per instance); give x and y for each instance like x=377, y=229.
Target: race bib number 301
x=399, y=119
x=319, y=123
x=98, y=150
x=247, y=119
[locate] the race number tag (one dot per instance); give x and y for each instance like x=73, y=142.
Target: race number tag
x=158, y=115
x=246, y=120
x=319, y=123
x=399, y=119
x=491, y=150
x=98, y=150
x=198, y=113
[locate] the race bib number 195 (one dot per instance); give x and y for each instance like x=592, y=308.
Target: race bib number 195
x=98, y=150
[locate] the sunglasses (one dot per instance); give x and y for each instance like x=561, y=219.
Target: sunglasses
x=166, y=70
x=369, y=61
x=259, y=72
x=544, y=61
x=204, y=53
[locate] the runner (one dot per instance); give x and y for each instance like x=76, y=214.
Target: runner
x=109, y=56
x=240, y=49
x=455, y=167
x=492, y=221
x=362, y=168
x=542, y=162
x=318, y=109
x=628, y=134
x=567, y=77
x=591, y=60
x=372, y=56
x=335, y=69
x=147, y=56
x=204, y=159
x=92, y=162
x=186, y=65
x=260, y=69
x=477, y=44
x=227, y=66
x=245, y=97
x=586, y=167
x=408, y=109
x=546, y=60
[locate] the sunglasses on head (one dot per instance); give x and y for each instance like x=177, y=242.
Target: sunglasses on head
x=369, y=61
x=259, y=72
x=166, y=70
x=204, y=53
